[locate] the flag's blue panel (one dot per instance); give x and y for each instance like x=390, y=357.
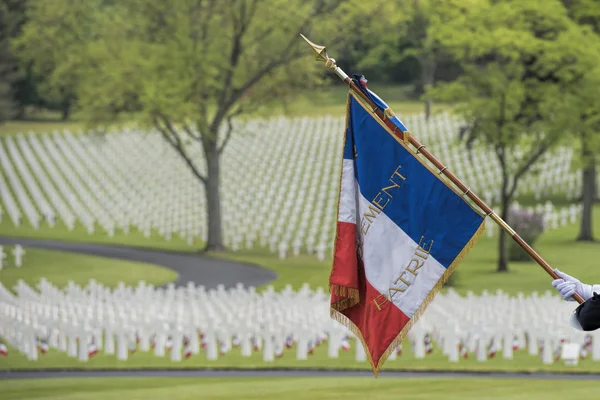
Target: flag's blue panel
x=415, y=199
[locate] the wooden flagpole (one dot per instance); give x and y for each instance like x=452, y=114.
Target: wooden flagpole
x=321, y=55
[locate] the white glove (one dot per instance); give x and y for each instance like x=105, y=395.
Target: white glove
x=568, y=286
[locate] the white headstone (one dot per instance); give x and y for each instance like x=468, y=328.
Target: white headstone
x=268, y=350
x=547, y=351
x=159, y=344
x=507, y=346
x=212, y=352
x=2, y=258
x=122, y=346
x=72, y=345
x=302, y=348
x=481, y=349
x=246, y=346
x=359, y=354
x=176, y=349
x=419, y=342
x=333, y=345
x=570, y=353
x=596, y=347
x=533, y=343
x=109, y=342
x=62, y=341
x=18, y=253
x=83, y=346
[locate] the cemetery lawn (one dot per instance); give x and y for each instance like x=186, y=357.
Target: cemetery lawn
x=476, y=273
x=383, y=388
x=59, y=268
x=436, y=361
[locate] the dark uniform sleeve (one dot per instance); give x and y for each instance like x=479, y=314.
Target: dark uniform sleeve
x=588, y=313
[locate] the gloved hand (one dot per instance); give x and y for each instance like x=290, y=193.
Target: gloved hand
x=568, y=286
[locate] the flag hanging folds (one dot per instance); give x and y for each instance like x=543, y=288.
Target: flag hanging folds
x=401, y=231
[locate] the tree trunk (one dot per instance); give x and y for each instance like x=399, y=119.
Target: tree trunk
x=213, y=198
x=427, y=107
x=502, y=242
x=587, y=199
x=65, y=110
x=428, y=66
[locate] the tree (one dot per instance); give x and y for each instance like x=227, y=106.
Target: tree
x=587, y=12
x=9, y=69
x=408, y=31
x=522, y=63
x=52, y=46
x=188, y=68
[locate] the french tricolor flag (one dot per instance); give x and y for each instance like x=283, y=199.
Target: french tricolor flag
x=401, y=231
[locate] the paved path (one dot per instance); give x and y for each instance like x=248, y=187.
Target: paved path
x=285, y=373
x=190, y=267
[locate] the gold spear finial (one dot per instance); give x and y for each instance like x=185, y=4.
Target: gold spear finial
x=320, y=53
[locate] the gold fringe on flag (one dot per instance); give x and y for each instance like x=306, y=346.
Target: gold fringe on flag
x=341, y=318
x=352, y=297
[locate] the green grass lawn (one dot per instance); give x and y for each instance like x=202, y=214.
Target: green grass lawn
x=476, y=273
x=60, y=268
x=436, y=361
x=295, y=388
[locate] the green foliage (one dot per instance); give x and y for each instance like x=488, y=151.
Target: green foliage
x=186, y=61
x=529, y=226
x=524, y=64
x=53, y=43
x=185, y=68
x=9, y=69
x=406, y=34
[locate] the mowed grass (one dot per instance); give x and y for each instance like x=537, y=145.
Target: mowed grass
x=330, y=388
x=476, y=273
x=435, y=361
x=60, y=268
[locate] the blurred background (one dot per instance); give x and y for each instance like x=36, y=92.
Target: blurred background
x=169, y=178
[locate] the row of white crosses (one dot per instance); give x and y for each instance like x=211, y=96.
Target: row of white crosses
x=182, y=322
x=81, y=320
x=279, y=179
x=18, y=252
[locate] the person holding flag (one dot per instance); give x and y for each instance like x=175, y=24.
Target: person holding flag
x=587, y=316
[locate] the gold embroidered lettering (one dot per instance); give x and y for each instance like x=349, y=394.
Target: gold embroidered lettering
x=398, y=174
x=372, y=215
x=407, y=283
x=422, y=248
x=364, y=227
x=416, y=268
x=385, y=189
x=394, y=290
x=378, y=199
x=380, y=301
x=413, y=267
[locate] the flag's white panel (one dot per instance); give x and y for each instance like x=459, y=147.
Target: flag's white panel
x=347, y=208
x=387, y=252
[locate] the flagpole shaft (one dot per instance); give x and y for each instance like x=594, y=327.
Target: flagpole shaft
x=321, y=54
